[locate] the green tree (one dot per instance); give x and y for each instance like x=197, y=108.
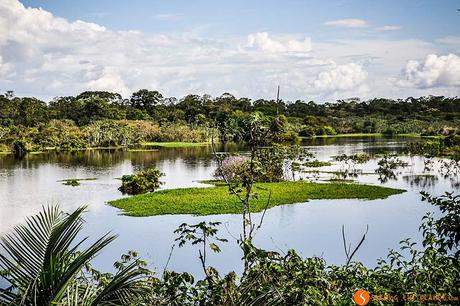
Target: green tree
x=146, y=100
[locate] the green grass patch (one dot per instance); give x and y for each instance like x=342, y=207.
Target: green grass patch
x=175, y=144
x=76, y=181
x=347, y=135
x=338, y=180
x=218, y=200
x=369, y=135
x=316, y=164
x=143, y=150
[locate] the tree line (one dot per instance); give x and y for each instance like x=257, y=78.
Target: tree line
x=186, y=119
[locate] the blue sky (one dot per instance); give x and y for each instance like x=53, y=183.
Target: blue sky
x=418, y=18
x=321, y=50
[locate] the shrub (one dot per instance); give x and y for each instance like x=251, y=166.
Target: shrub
x=106, y=133
x=3, y=148
x=20, y=148
x=233, y=168
x=306, y=131
x=430, y=131
x=144, y=130
x=142, y=182
x=289, y=136
x=329, y=130
x=389, y=132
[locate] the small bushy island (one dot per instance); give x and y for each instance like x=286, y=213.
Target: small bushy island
x=147, y=180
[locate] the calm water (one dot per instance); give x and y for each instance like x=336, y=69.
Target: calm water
x=312, y=228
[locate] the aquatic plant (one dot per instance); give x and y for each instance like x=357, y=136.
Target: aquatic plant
x=316, y=164
x=144, y=181
x=388, y=166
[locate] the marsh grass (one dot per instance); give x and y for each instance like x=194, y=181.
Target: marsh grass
x=76, y=181
x=143, y=150
x=217, y=200
x=316, y=164
x=175, y=144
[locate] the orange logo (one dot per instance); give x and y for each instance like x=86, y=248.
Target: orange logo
x=361, y=297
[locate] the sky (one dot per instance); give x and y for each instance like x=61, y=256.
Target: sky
x=315, y=50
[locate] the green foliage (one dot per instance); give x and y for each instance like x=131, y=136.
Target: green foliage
x=99, y=118
x=217, y=200
x=448, y=226
x=20, y=148
x=204, y=233
x=410, y=275
x=175, y=144
x=316, y=163
x=429, y=148
x=44, y=265
x=76, y=181
x=387, y=167
x=107, y=133
x=71, y=182
x=141, y=182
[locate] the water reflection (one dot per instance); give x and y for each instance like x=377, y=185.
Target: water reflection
x=312, y=228
x=421, y=180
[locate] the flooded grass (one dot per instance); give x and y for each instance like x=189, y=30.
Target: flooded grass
x=76, y=181
x=218, y=200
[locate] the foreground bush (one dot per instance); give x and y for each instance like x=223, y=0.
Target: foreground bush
x=142, y=182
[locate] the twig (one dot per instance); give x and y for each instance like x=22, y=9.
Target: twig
x=169, y=258
x=347, y=251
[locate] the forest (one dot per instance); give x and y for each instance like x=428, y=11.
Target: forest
x=95, y=119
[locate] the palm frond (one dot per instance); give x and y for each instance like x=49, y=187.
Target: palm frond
x=42, y=258
x=125, y=286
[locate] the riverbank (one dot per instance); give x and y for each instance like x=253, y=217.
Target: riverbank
x=217, y=199
x=143, y=147
x=370, y=135
x=177, y=144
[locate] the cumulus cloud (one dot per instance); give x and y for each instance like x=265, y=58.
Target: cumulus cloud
x=341, y=78
x=388, y=28
x=6, y=69
x=435, y=71
x=46, y=56
x=347, y=23
x=262, y=41
x=54, y=56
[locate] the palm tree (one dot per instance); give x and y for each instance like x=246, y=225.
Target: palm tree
x=42, y=265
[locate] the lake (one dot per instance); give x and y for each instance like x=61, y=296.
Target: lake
x=312, y=228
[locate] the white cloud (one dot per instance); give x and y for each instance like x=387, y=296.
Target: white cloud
x=46, y=56
x=347, y=23
x=449, y=40
x=262, y=41
x=435, y=71
x=388, y=28
x=341, y=78
x=6, y=70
